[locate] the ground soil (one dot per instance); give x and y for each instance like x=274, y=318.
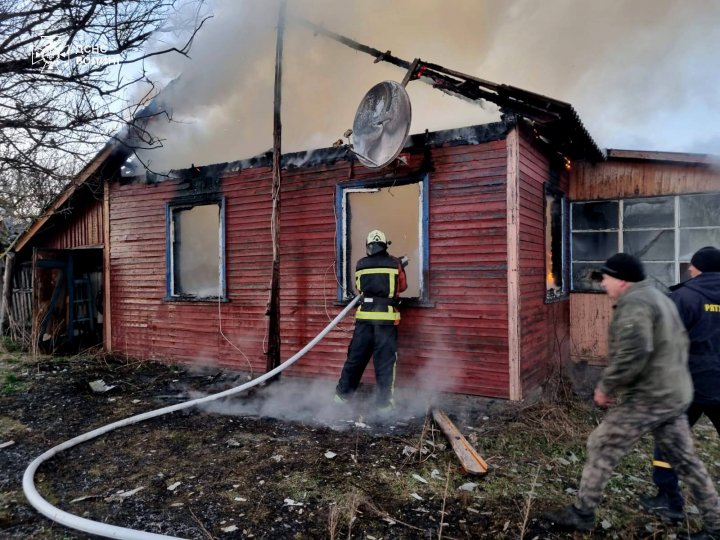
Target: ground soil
x=237, y=470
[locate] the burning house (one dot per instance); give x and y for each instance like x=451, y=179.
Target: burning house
x=501, y=223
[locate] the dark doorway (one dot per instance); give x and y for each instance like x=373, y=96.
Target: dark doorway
x=67, y=299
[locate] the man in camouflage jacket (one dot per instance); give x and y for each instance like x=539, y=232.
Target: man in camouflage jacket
x=648, y=382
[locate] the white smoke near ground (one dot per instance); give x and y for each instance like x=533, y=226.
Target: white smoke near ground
x=311, y=402
x=641, y=73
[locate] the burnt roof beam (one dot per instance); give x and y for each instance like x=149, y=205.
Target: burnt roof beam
x=543, y=110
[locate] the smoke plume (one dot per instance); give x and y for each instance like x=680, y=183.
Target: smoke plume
x=641, y=73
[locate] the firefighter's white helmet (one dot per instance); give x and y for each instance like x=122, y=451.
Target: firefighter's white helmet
x=376, y=236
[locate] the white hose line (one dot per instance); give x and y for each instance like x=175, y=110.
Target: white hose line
x=113, y=531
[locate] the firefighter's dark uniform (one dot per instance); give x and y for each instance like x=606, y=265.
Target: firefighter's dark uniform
x=381, y=278
x=698, y=301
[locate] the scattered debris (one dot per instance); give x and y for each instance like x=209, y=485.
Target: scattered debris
x=416, y=496
x=468, y=486
x=99, y=386
x=435, y=475
x=240, y=499
x=231, y=528
x=277, y=457
x=122, y=495
x=290, y=502
x=419, y=478
x=330, y=454
x=232, y=442
x=85, y=498
x=605, y=524
x=409, y=450
x=173, y=487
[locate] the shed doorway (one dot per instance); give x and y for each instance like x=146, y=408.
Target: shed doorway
x=67, y=299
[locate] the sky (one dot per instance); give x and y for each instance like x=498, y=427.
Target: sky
x=642, y=74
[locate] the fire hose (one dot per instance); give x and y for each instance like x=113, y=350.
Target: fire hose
x=113, y=531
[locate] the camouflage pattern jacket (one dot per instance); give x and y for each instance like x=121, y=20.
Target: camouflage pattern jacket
x=648, y=350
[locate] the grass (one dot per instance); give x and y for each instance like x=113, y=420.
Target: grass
x=536, y=454
x=549, y=441
x=12, y=383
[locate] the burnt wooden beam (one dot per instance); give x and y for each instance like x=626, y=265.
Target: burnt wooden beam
x=436, y=75
x=470, y=460
x=541, y=109
x=379, y=55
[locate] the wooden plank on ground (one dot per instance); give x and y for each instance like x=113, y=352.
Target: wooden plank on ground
x=470, y=460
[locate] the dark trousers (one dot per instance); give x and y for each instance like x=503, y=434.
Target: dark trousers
x=664, y=476
x=380, y=342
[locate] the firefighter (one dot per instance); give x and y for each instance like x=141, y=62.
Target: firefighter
x=698, y=301
x=380, y=278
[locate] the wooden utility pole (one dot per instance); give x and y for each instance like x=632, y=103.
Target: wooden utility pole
x=273, y=311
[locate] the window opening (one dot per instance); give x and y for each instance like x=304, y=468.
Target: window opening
x=196, y=251
x=396, y=207
x=555, y=232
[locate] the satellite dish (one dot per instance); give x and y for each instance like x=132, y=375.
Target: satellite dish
x=382, y=124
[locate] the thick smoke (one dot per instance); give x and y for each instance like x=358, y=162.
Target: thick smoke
x=641, y=73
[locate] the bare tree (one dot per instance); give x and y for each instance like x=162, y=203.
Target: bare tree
x=72, y=73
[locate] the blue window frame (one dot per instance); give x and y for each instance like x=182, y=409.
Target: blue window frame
x=195, y=248
x=400, y=208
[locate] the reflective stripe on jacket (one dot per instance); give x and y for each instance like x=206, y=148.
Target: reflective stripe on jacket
x=381, y=279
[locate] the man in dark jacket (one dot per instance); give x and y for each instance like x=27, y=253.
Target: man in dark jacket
x=380, y=277
x=647, y=376
x=698, y=301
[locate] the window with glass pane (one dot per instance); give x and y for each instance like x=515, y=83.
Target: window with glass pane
x=593, y=239
x=664, y=232
x=650, y=213
x=593, y=216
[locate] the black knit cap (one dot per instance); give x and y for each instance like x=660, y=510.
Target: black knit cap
x=625, y=267
x=706, y=259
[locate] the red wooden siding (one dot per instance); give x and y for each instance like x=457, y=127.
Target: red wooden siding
x=544, y=328
x=82, y=228
x=458, y=345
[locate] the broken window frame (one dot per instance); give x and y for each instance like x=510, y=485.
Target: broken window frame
x=344, y=273
x=556, y=237
x=187, y=203
x=679, y=262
